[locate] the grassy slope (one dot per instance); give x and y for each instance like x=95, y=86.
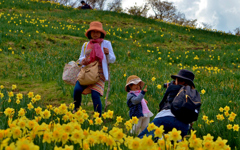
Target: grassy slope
x=45, y=36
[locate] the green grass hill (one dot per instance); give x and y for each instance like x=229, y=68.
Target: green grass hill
x=38, y=38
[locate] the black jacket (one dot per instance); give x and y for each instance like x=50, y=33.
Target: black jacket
x=168, y=97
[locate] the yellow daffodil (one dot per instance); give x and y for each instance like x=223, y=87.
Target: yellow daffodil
x=159, y=86
x=208, y=144
x=235, y=127
x=62, y=108
x=38, y=97
x=153, y=78
x=203, y=91
x=98, y=121
x=104, y=115
x=231, y=118
x=19, y=96
x=1, y=134
x=22, y=123
x=195, y=143
x=135, y=144
x=205, y=117
x=229, y=126
x=134, y=120
x=105, y=129
x=90, y=122
x=57, y=134
x=85, y=146
x=10, y=94
x=46, y=114
x=119, y=119
x=110, y=141
x=161, y=143
x=11, y=147
x=25, y=144
x=33, y=100
x=226, y=108
x=30, y=95
x=47, y=137
x=128, y=125
x=221, y=109
x=220, y=143
x=220, y=117
x=183, y=144
x=159, y=131
x=110, y=114
x=21, y=112
x=31, y=124
x=14, y=86
x=38, y=110
x=175, y=135
x=16, y=132
x=71, y=106
x=68, y=128
x=233, y=114
x=9, y=111
x=1, y=95
x=91, y=140
x=30, y=106
x=226, y=113
x=147, y=142
x=64, y=138
x=96, y=115
x=151, y=126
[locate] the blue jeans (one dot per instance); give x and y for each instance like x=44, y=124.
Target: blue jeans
x=169, y=123
x=77, y=95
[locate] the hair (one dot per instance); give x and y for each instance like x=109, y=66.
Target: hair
x=89, y=35
x=184, y=80
x=129, y=89
x=82, y=2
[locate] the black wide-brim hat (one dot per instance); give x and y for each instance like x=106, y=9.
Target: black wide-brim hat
x=186, y=75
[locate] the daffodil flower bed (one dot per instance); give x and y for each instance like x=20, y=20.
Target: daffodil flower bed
x=33, y=127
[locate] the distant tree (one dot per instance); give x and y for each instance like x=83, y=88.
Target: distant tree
x=115, y=5
x=178, y=18
x=163, y=10
x=206, y=25
x=237, y=31
x=166, y=11
x=96, y=4
x=138, y=10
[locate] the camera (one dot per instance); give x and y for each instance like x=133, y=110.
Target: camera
x=170, y=83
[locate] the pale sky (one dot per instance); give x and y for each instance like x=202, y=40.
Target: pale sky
x=223, y=15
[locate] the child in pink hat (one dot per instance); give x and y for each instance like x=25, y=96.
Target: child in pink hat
x=137, y=104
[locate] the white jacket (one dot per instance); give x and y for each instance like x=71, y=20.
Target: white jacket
x=111, y=56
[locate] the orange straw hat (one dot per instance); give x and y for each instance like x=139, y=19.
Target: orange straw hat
x=95, y=25
x=133, y=79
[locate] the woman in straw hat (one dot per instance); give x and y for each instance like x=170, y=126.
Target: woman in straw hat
x=137, y=104
x=165, y=117
x=96, y=49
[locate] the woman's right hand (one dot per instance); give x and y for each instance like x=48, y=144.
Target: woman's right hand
x=84, y=61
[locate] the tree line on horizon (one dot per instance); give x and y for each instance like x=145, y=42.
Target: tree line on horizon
x=163, y=10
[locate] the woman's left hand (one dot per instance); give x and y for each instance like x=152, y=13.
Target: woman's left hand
x=106, y=50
